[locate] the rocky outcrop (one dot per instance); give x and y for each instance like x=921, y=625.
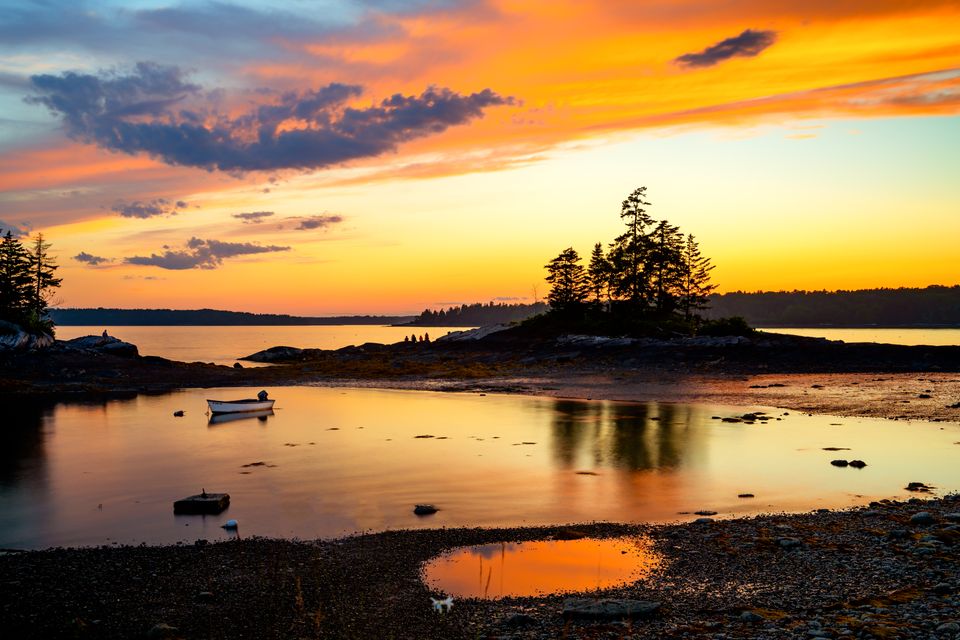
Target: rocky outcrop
x=13, y=338
x=276, y=354
x=104, y=344
x=473, y=334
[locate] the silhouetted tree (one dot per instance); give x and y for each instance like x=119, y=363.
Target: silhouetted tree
x=628, y=253
x=695, y=287
x=568, y=280
x=43, y=281
x=14, y=279
x=598, y=273
x=665, y=260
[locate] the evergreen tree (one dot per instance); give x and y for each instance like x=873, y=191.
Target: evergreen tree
x=14, y=280
x=666, y=265
x=695, y=286
x=598, y=273
x=568, y=280
x=628, y=253
x=42, y=270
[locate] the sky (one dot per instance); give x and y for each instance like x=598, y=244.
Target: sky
x=385, y=156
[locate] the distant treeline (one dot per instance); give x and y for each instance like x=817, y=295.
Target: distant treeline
x=202, y=317
x=479, y=314
x=933, y=305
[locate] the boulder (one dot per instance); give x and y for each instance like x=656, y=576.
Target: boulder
x=608, y=609
x=104, y=344
x=472, y=334
x=275, y=354
x=922, y=518
x=13, y=338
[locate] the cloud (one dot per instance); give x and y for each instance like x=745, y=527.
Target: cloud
x=148, y=209
x=91, y=260
x=15, y=231
x=748, y=44
x=318, y=222
x=201, y=254
x=252, y=217
x=140, y=113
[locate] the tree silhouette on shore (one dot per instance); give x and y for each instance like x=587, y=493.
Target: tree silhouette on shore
x=27, y=282
x=651, y=272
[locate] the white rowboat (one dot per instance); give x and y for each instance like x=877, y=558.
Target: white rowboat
x=239, y=406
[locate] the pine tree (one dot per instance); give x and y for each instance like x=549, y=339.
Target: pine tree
x=628, y=253
x=695, y=286
x=15, y=282
x=42, y=270
x=568, y=280
x=665, y=266
x=598, y=273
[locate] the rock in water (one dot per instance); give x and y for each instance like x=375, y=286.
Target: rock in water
x=608, y=609
x=424, y=509
x=858, y=464
x=839, y=463
x=231, y=524
x=202, y=503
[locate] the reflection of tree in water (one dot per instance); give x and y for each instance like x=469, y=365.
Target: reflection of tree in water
x=21, y=443
x=630, y=436
x=576, y=424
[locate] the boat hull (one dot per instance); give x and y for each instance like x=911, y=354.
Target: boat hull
x=239, y=406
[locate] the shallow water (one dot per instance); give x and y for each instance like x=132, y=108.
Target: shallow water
x=343, y=460
x=512, y=569
x=224, y=345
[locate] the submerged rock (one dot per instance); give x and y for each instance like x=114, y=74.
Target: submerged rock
x=609, y=609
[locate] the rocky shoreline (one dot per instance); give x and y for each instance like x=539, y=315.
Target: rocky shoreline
x=889, y=570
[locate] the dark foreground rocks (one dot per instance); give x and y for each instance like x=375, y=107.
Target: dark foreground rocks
x=867, y=573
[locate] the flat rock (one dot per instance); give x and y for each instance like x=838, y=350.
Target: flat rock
x=202, y=503
x=275, y=354
x=424, y=509
x=608, y=609
x=922, y=517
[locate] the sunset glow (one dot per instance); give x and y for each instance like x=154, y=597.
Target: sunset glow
x=411, y=154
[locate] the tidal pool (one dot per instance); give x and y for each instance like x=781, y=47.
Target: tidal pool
x=510, y=569
x=332, y=461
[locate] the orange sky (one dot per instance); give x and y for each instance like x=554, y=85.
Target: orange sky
x=822, y=157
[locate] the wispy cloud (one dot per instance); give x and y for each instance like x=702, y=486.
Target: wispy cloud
x=149, y=208
x=92, y=260
x=748, y=44
x=252, y=217
x=201, y=254
x=318, y=222
x=135, y=113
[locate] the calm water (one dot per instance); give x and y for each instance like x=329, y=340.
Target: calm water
x=223, y=345
x=344, y=460
x=932, y=337
x=510, y=569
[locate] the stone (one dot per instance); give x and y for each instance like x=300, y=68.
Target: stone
x=952, y=517
x=205, y=596
x=163, y=631
x=424, y=509
x=202, y=503
x=942, y=589
x=519, y=620
x=922, y=518
x=705, y=512
x=948, y=627
x=178, y=414
x=608, y=609
x=104, y=344
x=918, y=486
x=750, y=616
x=276, y=354
x=858, y=464
x=788, y=543
x=237, y=365
x=703, y=521
x=839, y=463
x=745, y=495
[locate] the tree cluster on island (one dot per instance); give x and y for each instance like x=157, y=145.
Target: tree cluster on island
x=479, y=314
x=27, y=283
x=652, y=279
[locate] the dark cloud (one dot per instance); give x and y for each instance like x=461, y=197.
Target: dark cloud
x=748, y=44
x=138, y=113
x=149, y=208
x=201, y=254
x=91, y=260
x=17, y=231
x=253, y=217
x=318, y=222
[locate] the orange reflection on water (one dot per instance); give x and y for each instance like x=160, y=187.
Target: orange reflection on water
x=540, y=567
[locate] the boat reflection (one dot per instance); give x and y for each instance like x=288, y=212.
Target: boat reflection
x=220, y=418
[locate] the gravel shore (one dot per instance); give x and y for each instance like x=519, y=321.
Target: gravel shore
x=889, y=570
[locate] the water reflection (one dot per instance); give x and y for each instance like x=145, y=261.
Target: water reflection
x=636, y=437
x=516, y=569
x=335, y=461
x=221, y=418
